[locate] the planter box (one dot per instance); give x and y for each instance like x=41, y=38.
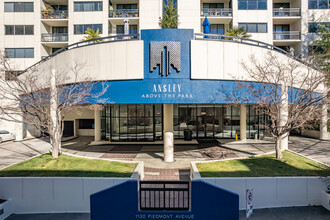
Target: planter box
x=325, y=198
x=5, y=209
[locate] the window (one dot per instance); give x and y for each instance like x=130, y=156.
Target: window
x=281, y=5
x=54, y=49
x=132, y=122
x=313, y=27
x=217, y=29
x=127, y=6
x=318, y=4
x=19, y=52
x=18, y=29
x=60, y=7
x=81, y=28
x=213, y=5
x=254, y=27
x=252, y=4
x=86, y=123
x=132, y=29
x=88, y=6
x=18, y=6
x=59, y=30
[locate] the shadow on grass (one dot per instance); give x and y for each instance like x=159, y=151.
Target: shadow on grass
x=261, y=167
x=56, y=173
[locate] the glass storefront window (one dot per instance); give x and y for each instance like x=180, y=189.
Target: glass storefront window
x=132, y=122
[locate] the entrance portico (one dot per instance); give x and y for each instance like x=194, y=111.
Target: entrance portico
x=172, y=88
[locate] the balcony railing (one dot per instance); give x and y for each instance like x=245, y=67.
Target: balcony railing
x=217, y=12
x=286, y=35
x=286, y=12
x=54, y=37
x=123, y=13
x=54, y=14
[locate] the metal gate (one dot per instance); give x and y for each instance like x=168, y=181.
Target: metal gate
x=164, y=195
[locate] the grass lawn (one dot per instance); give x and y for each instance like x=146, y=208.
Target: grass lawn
x=68, y=166
x=290, y=165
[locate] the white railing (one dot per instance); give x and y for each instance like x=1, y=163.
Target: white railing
x=286, y=35
x=286, y=12
x=216, y=12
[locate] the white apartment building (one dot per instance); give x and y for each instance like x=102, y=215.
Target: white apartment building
x=32, y=29
x=143, y=105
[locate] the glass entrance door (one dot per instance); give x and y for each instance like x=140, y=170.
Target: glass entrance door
x=205, y=126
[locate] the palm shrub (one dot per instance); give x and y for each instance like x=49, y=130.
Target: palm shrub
x=170, y=16
x=92, y=34
x=237, y=32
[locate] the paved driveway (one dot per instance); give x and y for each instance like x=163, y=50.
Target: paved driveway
x=313, y=148
x=13, y=152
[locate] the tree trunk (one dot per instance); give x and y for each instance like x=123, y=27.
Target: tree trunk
x=55, y=121
x=278, y=148
x=55, y=146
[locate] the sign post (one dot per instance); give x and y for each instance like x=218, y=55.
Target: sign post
x=249, y=204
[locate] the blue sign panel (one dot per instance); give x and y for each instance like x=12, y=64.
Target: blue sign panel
x=165, y=38
x=168, y=91
x=121, y=202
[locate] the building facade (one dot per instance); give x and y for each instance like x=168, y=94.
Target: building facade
x=151, y=99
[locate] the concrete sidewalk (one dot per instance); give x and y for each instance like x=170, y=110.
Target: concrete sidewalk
x=14, y=152
x=296, y=213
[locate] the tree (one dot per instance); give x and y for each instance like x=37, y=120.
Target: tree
x=92, y=34
x=41, y=97
x=170, y=16
x=321, y=52
x=237, y=32
x=289, y=93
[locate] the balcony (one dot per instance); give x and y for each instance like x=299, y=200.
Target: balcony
x=286, y=36
x=124, y=13
x=286, y=12
x=54, y=37
x=217, y=12
x=54, y=14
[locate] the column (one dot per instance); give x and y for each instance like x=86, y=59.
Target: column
x=19, y=128
x=243, y=122
x=324, y=122
x=168, y=133
x=97, y=125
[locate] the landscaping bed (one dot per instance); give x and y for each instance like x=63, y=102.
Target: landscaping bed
x=264, y=166
x=68, y=166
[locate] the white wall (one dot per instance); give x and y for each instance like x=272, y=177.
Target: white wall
x=216, y=60
x=312, y=133
x=93, y=17
x=189, y=12
x=150, y=12
x=109, y=61
x=271, y=192
x=255, y=16
x=21, y=41
x=53, y=194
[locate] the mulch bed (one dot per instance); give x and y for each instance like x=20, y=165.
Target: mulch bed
x=217, y=152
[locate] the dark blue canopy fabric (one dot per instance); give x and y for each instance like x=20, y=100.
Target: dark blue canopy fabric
x=206, y=25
